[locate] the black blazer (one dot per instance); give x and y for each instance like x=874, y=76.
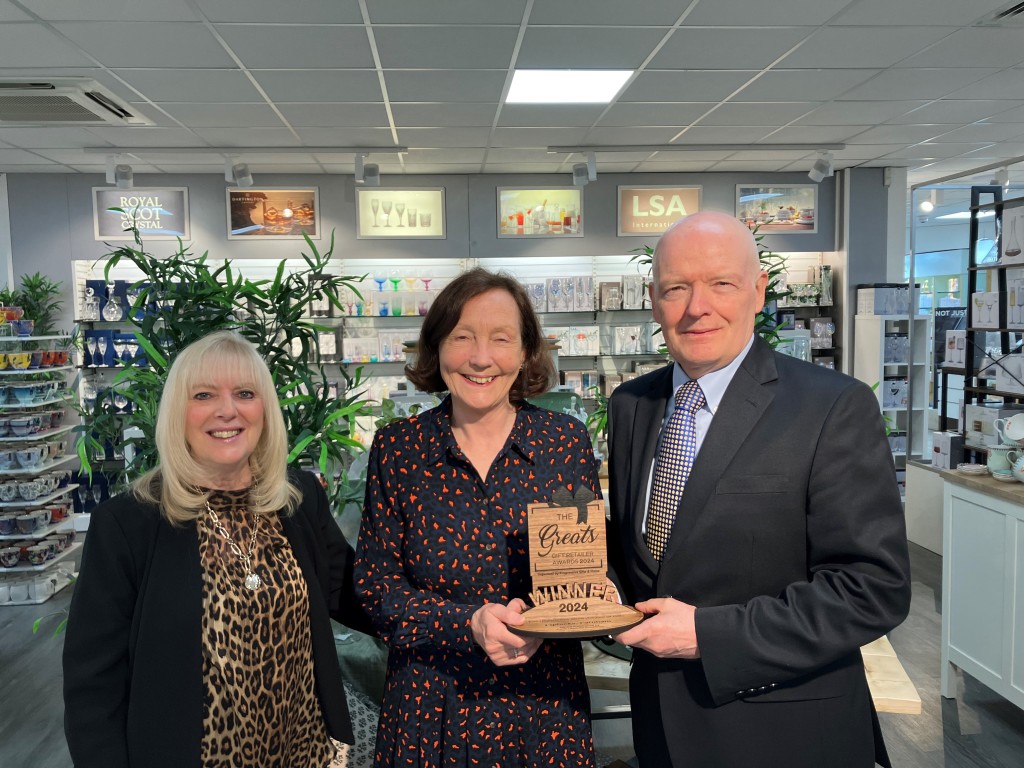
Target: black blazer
x=790, y=541
x=133, y=688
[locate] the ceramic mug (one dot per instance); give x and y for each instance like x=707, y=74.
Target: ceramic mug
x=998, y=461
x=1016, y=464
x=1010, y=430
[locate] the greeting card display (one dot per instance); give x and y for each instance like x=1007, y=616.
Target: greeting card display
x=568, y=566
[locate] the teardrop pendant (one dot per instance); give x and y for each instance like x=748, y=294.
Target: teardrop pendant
x=252, y=582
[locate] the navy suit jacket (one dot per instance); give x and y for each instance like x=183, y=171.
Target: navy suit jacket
x=790, y=540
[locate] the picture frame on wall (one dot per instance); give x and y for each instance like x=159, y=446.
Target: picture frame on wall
x=160, y=213
x=281, y=213
x=413, y=212
x=778, y=209
x=649, y=210
x=527, y=212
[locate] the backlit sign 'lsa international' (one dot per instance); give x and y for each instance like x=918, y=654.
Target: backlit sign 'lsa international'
x=652, y=210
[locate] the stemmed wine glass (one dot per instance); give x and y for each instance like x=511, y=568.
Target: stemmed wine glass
x=90, y=345
x=400, y=210
x=101, y=347
x=410, y=283
x=97, y=493
x=386, y=207
x=426, y=282
x=396, y=279
x=375, y=206
x=132, y=347
x=82, y=492
x=380, y=280
x=120, y=401
x=119, y=347
x=979, y=302
x=989, y=301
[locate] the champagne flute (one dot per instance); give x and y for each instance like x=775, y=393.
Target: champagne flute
x=375, y=206
x=386, y=207
x=400, y=210
x=101, y=347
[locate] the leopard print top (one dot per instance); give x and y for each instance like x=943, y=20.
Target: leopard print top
x=260, y=708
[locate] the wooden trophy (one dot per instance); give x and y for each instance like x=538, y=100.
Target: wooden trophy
x=572, y=596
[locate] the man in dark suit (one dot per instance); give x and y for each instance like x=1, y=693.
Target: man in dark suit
x=788, y=549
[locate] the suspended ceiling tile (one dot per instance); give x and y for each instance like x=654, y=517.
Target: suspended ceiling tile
x=437, y=114
x=192, y=85
x=682, y=86
x=856, y=113
x=206, y=159
x=751, y=165
x=330, y=137
x=772, y=114
x=691, y=155
x=586, y=47
x=269, y=11
x=305, y=46
x=319, y=85
x=1008, y=84
x=31, y=45
x=19, y=157
x=1015, y=115
x=68, y=156
x=865, y=151
x=959, y=111
x=445, y=85
x=853, y=47
x=636, y=135
x=84, y=169
x=804, y=84
x=536, y=137
x=930, y=149
x=190, y=168
x=522, y=168
x=723, y=134
x=30, y=168
x=444, y=137
x=896, y=84
x=817, y=134
x=948, y=12
x=38, y=137
x=335, y=115
x=783, y=12
x=979, y=46
x=150, y=44
x=293, y=165
x=676, y=114
x=715, y=48
x=677, y=165
x=456, y=12
x=983, y=132
x=403, y=47
x=109, y=11
x=522, y=155
x=223, y=115
x=905, y=134
x=613, y=13
x=251, y=137
x=781, y=156
x=434, y=155
x=520, y=115
x=10, y=13
x=147, y=137
x=431, y=169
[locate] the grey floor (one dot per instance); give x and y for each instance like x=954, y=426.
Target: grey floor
x=977, y=729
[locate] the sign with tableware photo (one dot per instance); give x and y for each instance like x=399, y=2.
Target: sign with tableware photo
x=417, y=212
x=158, y=213
x=650, y=210
x=552, y=212
x=779, y=208
x=277, y=212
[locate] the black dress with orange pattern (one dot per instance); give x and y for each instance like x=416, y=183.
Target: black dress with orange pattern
x=436, y=543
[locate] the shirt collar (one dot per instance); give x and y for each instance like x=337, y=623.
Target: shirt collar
x=712, y=384
x=437, y=428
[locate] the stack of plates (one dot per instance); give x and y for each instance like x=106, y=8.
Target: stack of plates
x=972, y=469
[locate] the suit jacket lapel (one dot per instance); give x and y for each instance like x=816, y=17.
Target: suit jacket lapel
x=650, y=412
x=745, y=400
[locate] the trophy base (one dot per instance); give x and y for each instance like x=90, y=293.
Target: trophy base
x=577, y=618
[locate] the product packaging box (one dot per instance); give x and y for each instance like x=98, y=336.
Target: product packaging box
x=633, y=292
x=609, y=382
x=538, y=294
x=895, y=390
x=947, y=449
x=979, y=427
x=585, y=340
x=1010, y=374
x=583, y=295
x=611, y=296
x=985, y=309
x=885, y=299
x=956, y=349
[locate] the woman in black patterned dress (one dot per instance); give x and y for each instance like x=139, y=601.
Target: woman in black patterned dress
x=442, y=564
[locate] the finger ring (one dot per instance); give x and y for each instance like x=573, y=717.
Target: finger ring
x=515, y=653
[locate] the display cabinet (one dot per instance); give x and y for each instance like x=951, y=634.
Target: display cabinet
x=891, y=356
x=37, y=531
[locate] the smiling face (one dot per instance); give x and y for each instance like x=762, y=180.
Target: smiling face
x=708, y=287
x=480, y=358
x=223, y=424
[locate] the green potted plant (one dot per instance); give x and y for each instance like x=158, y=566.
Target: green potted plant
x=40, y=297
x=181, y=298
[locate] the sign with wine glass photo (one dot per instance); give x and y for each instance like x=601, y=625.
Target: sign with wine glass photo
x=158, y=214
x=400, y=213
x=778, y=209
x=552, y=212
x=286, y=214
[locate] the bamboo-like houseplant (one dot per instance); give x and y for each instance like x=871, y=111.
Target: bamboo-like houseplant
x=182, y=298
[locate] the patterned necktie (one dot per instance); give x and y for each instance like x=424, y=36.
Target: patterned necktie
x=676, y=451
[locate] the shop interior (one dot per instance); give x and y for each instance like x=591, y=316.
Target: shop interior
x=399, y=135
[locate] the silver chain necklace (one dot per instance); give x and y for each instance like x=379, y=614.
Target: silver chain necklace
x=252, y=579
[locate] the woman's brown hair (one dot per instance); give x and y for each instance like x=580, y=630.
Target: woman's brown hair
x=538, y=372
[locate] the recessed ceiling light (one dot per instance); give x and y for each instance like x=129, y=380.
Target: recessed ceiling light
x=566, y=86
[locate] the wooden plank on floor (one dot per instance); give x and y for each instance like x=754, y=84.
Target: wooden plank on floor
x=891, y=686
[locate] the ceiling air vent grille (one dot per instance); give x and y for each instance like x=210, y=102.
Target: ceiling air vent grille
x=67, y=101
x=1010, y=16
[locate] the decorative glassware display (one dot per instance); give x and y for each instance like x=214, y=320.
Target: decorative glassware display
x=375, y=207
x=386, y=207
x=112, y=311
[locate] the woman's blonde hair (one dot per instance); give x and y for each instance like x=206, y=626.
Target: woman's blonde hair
x=172, y=484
